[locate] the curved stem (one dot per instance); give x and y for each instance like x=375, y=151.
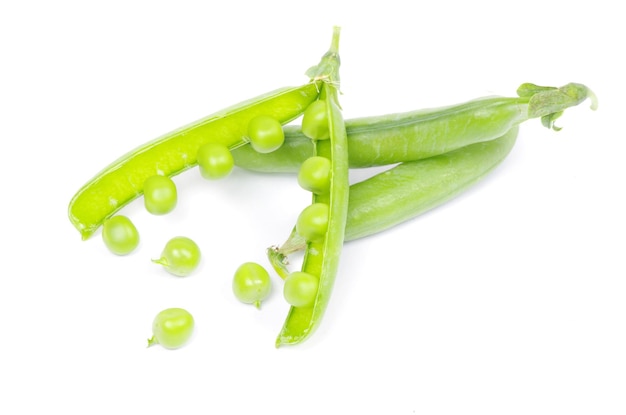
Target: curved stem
x=548, y=103
x=152, y=341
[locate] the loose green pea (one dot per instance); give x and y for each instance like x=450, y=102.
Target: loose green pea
x=312, y=222
x=172, y=328
x=265, y=134
x=315, y=121
x=251, y=283
x=159, y=194
x=180, y=257
x=300, y=289
x=314, y=175
x=215, y=161
x=120, y=235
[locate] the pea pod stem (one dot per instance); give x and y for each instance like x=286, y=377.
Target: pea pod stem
x=171, y=154
x=395, y=138
x=408, y=190
x=322, y=258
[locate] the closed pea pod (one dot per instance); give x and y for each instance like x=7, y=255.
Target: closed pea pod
x=414, y=135
x=433, y=177
x=407, y=190
x=411, y=188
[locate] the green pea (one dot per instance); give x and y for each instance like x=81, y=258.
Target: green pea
x=265, y=134
x=215, y=161
x=312, y=223
x=120, y=235
x=300, y=289
x=180, y=257
x=314, y=175
x=160, y=196
x=172, y=328
x=315, y=121
x=251, y=283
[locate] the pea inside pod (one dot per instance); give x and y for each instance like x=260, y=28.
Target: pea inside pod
x=123, y=180
x=314, y=175
x=160, y=195
x=215, y=161
x=321, y=258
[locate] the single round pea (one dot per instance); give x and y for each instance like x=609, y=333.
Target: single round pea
x=251, y=283
x=266, y=134
x=180, y=257
x=172, y=328
x=312, y=222
x=120, y=235
x=315, y=121
x=314, y=175
x=215, y=161
x=300, y=289
x=159, y=194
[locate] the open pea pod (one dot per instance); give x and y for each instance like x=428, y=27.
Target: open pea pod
x=122, y=181
x=322, y=256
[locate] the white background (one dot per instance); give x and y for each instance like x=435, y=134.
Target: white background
x=508, y=300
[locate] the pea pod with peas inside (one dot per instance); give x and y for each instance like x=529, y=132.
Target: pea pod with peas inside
x=308, y=291
x=123, y=180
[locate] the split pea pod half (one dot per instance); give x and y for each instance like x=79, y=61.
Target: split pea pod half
x=394, y=138
x=309, y=290
x=407, y=190
x=122, y=181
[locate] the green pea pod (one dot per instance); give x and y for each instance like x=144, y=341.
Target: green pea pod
x=322, y=257
x=122, y=181
x=412, y=188
x=415, y=135
x=407, y=190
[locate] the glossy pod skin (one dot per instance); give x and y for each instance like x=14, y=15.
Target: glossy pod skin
x=414, y=135
x=171, y=154
x=412, y=188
